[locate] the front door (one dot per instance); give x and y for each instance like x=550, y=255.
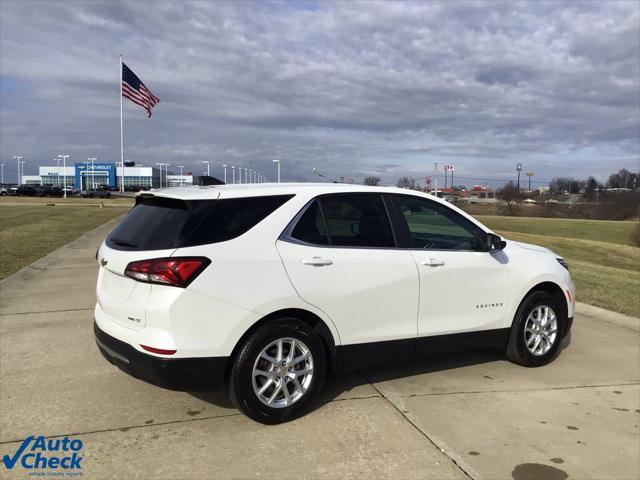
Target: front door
x=463, y=287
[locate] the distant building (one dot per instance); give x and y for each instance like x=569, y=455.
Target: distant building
x=85, y=176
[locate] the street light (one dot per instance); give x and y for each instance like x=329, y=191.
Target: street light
x=2, y=173
x=207, y=162
x=233, y=171
x=181, y=179
x=18, y=159
x=224, y=167
x=435, y=177
x=277, y=162
x=64, y=173
x=22, y=168
x=315, y=170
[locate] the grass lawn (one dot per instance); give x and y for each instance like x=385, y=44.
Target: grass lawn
x=29, y=230
x=604, y=265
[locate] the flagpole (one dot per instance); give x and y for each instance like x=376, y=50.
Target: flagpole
x=121, y=133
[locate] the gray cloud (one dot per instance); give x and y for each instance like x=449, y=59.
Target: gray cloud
x=353, y=88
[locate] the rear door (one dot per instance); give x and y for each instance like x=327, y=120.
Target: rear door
x=341, y=257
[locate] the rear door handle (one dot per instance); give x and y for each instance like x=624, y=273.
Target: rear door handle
x=433, y=262
x=317, y=262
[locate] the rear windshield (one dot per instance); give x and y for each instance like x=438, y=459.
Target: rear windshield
x=157, y=223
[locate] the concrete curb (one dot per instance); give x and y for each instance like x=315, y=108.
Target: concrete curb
x=603, y=315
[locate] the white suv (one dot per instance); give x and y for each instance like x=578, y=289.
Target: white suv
x=270, y=287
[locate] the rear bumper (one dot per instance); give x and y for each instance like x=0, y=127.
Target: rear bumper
x=171, y=373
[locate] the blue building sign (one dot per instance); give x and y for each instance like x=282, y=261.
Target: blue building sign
x=100, y=174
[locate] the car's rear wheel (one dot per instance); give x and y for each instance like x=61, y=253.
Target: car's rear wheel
x=536, y=331
x=277, y=371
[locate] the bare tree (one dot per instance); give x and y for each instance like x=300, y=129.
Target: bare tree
x=372, y=181
x=510, y=195
x=406, y=182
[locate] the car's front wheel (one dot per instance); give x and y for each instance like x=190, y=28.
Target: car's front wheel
x=277, y=371
x=536, y=331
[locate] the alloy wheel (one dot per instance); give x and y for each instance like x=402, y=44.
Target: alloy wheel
x=540, y=330
x=282, y=372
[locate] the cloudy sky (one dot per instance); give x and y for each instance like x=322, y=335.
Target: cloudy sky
x=354, y=89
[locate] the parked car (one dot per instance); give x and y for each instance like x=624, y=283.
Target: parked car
x=97, y=193
x=26, y=190
x=70, y=191
x=48, y=191
x=268, y=288
x=4, y=190
x=13, y=189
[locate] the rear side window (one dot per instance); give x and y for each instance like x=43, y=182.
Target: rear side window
x=157, y=223
x=346, y=220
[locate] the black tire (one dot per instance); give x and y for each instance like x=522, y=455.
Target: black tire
x=517, y=350
x=241, y=391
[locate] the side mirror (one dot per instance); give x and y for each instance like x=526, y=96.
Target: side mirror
x=495, y=242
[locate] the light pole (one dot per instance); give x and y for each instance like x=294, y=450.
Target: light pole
x=315, y=170
x=93, y=178
x=224, y=167
x=2, y=173
x=64, y=173
x=208, y=171
x=57, y=160
x=277, y=162
x=250, y=176
x=519, y=169
x=246, y=175
x=22, y=168
x=435, y=178
x=233, y=172
x=529, y=174
x=18, y=159
x=181, y=179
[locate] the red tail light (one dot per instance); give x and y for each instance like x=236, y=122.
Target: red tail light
x=174, y=271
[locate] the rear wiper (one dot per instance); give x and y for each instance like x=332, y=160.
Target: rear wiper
x=122, y=243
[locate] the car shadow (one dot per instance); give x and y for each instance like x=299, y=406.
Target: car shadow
x=343, y=386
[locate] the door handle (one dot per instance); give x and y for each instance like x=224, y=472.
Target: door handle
x=433, y=262
x=317, y=262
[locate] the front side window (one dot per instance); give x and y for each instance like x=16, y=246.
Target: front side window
x=435, y=226
x=346, y=220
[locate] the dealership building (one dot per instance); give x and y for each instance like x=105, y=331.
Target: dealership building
x=87, y=175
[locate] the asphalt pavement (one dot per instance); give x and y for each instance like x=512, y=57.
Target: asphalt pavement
x=467, y=416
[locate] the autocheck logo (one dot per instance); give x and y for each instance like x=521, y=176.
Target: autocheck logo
x=38, y=453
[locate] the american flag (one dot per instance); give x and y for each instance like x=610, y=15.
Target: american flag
x=136, y=91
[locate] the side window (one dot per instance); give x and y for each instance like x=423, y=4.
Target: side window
x=311, y=228
x=435, y=226
x=357, y=220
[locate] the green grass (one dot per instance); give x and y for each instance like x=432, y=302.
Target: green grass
x=603, y=263
x=598, y=230
x=30, y=230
